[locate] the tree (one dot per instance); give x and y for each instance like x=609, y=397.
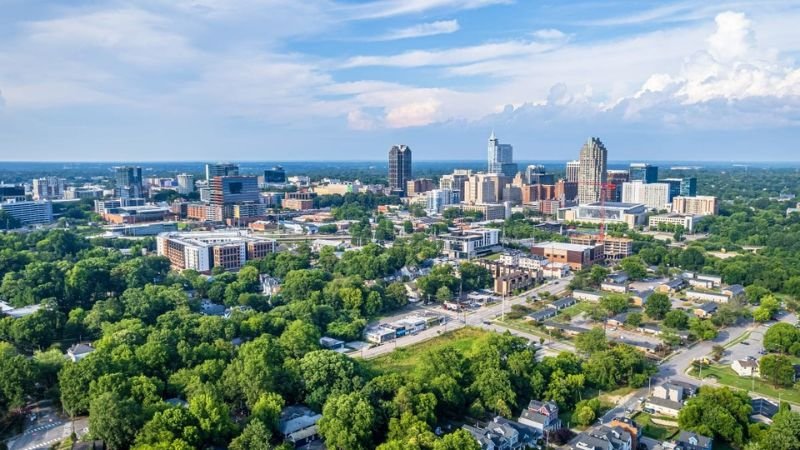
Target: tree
x=702, y=329
x=171, y=425
x=493, y=388
x=255, y=436
x=408, y=227
x=782, y=337
x=634, y=267
x=692, y=258
x=767, y=310
x=657, y=306
x=598, y=273
x=614, y=303
x=267, y=410
x=347, y=422
x=7, y=221
x=676, y=319
x=458, y=440
x=755, y=293
x=213, y=417
x=443, y=294
x=634, y=319
x=115, y=420
x=325, y=373
x=591, y=341
x=586, y=411
x=717, y=412
x=784, y=434
x=299, y=338
x=474, y=277
x=717, y=352
x=777, y=369
x=16, y=377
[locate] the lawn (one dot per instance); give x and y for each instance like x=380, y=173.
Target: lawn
x=573, y=310
x=725, y=375
x=652, y=430
x=405, y=359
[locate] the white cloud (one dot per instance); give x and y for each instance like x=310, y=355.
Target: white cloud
x=421, y=30
x=549, y=34
x=389, y=8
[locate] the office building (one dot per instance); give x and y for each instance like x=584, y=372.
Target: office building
x=437, y=200
x=128, y=182
x=674, y=186
x=672, y=221
x=298, y=201
x=74, y=193
x=418, y=186
x=470, y=243
x=275, y=175
x=614, y=248
x=455, y=181
x=484, y=188
x=566, y=191
x=573, y=168
x=48, y=188
x=29, y=213
x=490, y=211
x=536, y=174
x=616, y=178
x=12, y=192
x=399, y=169
x=232, y=189
x=202, y=251
x=652, y=195
x=643, y=172
x=185, y=183
x=501, y=158
x=630, y=214
x=701, y=205
x=688, y=186
x=592, y=174
x=221, y=170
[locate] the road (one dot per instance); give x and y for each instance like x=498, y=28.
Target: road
x=44, y=435
x=478, y=318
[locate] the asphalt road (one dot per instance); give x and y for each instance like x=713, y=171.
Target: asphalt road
x=44, y=435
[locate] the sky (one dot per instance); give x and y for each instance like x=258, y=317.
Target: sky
x=280, y=80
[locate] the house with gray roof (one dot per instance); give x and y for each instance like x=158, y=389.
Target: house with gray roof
x=687, y=440
x=565, y=302
x=542, y=416
x=602, y=438
x=542, y=314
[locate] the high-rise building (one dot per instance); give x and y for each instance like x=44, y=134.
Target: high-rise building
x=128, y=182
x=702, y=205
x=185, y=183
x=592, y=174
x=484, y=188
x=12, y=192
x=674, y=186
x=227, y=191
x=399, y=168
x=643, y=172
x=501, y=158
x=652, y=195
x=455, y=181
x=275, y=175
x=617, y=178
x=439, y=199
x=689, y=186
x=566, y=191
x=536, y=174
x=573, y=168
x=418, y=186
x=48, y=188
x=221, y=170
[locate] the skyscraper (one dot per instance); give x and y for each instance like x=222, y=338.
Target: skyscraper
x=617, y=178
x=48, y=188
x=220, y=170
x=185, y=183
x=275, y=175
x=643, y=172
x=501, y=158
x=455, y=182
x=573, y=167
x=399, y=168
x=592, y=174
x=536, y=174
x=129, y=182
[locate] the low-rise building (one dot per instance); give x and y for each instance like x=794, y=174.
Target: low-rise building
x=563, y=303
x=688, y=440
x=576, y=255
x=298, y=425
x=707, y=296
x=672, y=286
x=603, y=437
x=542, y=315
x=639, y=298
x=663, y=406
x=470, y=244
x=704, y=281
x=631, y=214
x=589, y=296
x=29, y=213
x=670, y=222
x=747, y=367
x=609, y=286
x=79, y=351
x=202, y=251
x=706, y=310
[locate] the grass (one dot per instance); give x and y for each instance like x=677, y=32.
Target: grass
x=573, y=310
x=405, y=359
x=726, y=376
x=739, y=339
x=652, y=430
x=527, y=327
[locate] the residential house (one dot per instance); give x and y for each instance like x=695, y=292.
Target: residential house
x=734, y=291
x=298, y=425
x=603, y=438
x=676, y=391
x=568, y=329
x=589, y=296
x=703, y=296
x=79, y=351
x=562, y=303
x=706, y=310
x=746, y=367
x=639, y=298
x=672, y=286
x=609, y=286
x=503, y=434
x=618, y=320
x=542, y=416
x=763, y=410
x=542, y=314
x=331, y=343
x=687, y=440
x=630, y=426
x=663, y=406
x=702, y=281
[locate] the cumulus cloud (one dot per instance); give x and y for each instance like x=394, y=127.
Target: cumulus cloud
x=421, y=30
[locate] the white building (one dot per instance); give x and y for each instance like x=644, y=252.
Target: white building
x=185, y=183
x=29, y=213
x=438, y=200
x=682, y=220
x=470, y=243
x=652, y=195
x=48, y=188
x=501, y=158
x=632, y=214
x=202, y=251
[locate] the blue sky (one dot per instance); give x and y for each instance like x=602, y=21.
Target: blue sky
x=345, y=79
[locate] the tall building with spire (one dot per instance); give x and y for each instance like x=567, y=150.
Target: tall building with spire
x=592, y=172
x=399, y=168
x=501, y=158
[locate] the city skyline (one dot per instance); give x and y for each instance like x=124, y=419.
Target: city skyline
x=189, y=80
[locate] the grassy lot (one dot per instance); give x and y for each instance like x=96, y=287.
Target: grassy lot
x=406, y=358
x=526, y=327
x=725, y=375
x=573, y=310
x=652, y=430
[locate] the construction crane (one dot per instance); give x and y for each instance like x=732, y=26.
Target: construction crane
x=605, y=190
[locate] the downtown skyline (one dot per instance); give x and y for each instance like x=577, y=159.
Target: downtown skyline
x=203, y=80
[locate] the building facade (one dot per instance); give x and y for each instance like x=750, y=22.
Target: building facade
x=500, y=158
x=573, y=169
x=128, y=182
x=701, y=205
x=202, y=251
x=221, y=170
x=29, y=213
x=643, y=172
x=185, y=183
x=592, y=174
x=48, y=188
x=652, y=195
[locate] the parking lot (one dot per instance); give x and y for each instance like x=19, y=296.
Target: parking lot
x=750, y=347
